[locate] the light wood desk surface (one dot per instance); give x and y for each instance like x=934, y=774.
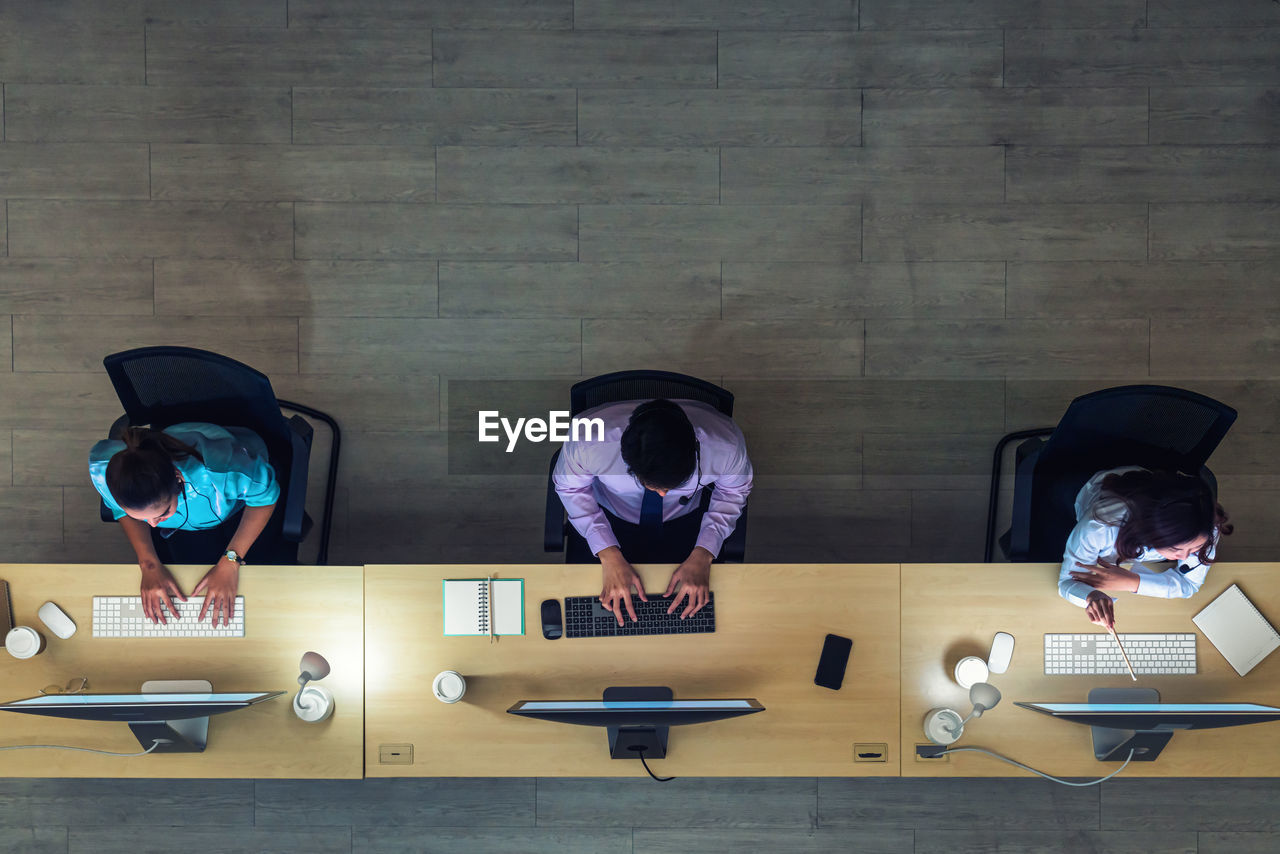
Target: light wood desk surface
x=770, y=625
x=289, y=610
x=953, y=610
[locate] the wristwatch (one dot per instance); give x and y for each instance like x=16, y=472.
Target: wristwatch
x=230, y=554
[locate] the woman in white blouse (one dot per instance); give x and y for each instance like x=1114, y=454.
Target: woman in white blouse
x=1134, y=515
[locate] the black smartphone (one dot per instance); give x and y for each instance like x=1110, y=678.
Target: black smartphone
x=835, y=657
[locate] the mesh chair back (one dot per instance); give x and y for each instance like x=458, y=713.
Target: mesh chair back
x=1156, y=427
x=1167, y=427
x=162, y=386
x=647, y=385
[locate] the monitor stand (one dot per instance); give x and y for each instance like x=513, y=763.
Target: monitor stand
x=189, y=735
x=1113, y=745
x=632, y=742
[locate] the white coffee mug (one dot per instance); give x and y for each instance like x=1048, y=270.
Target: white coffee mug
x=313, y=703
x=449, y=686
x=24, y=642
x=970, y=670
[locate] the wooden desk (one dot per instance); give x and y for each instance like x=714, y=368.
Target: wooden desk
x=289, y=610
x=953, y=610
x=770, y=625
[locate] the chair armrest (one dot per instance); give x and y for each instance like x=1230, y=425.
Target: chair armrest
x=553, y=526
x=734, y=548
x=1023, y=484
x=993, y=497
x=296, y=522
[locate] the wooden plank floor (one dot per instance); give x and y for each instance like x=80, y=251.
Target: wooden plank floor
x=895, y=228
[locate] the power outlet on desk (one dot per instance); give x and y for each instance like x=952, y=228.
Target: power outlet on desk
x=865, y=751
x=927, y=753
x=395, y=754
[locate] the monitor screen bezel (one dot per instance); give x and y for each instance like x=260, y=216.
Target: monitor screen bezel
x=659, y=713
x=138, y=706
x=1156, y=716
x=589, y=706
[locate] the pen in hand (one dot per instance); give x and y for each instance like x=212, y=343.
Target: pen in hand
x=1127, y=664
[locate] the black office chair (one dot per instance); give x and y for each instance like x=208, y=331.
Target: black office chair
x=162, y=386
x=634, y=385
x=1152, y=426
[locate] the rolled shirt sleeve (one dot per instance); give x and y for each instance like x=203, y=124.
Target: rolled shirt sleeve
x=732, y=486
x=575, y=484
x=1089, y=540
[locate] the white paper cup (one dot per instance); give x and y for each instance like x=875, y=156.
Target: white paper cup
x=971, y=670
x=313, y=703
x=24, y=642
x=449, y=686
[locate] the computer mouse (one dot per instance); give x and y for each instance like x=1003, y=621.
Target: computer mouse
x=57, y=620
x=552, y=623
x=1001, y=652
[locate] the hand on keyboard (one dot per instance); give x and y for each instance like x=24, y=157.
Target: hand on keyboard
x=693, y=578
x=123, y=617
x=619, y=578
x=159, y=589
x=219, y=588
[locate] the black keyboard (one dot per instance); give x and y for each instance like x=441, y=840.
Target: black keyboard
x=585, y=617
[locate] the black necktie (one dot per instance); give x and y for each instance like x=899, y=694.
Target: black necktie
x=651, y=510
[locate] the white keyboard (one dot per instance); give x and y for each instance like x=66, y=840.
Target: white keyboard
x=122, y=617
x=1097, y=654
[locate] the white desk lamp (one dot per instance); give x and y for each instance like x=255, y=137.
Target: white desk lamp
x=945, y=726
x=313, y=703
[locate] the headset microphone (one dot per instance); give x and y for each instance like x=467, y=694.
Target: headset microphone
x=697, y=456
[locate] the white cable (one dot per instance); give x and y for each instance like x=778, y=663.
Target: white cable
x=153, y=746
x=1041, y=773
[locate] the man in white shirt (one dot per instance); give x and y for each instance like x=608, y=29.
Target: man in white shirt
x=634, y=495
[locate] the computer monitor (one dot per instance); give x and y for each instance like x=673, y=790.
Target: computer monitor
x=1124, y=719
x=178, y=721
x=637, y=718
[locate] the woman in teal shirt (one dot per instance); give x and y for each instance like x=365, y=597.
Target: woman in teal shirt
x=190, y=476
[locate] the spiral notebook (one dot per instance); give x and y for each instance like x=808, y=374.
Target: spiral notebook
x=468, y=610
x=1232, y=623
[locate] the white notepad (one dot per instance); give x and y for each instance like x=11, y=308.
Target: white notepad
x=468, y=611
x=1234, y=626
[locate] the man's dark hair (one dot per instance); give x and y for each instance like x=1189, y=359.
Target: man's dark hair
x=659, y=446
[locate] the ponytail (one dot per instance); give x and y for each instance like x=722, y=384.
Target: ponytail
x=143, y=474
